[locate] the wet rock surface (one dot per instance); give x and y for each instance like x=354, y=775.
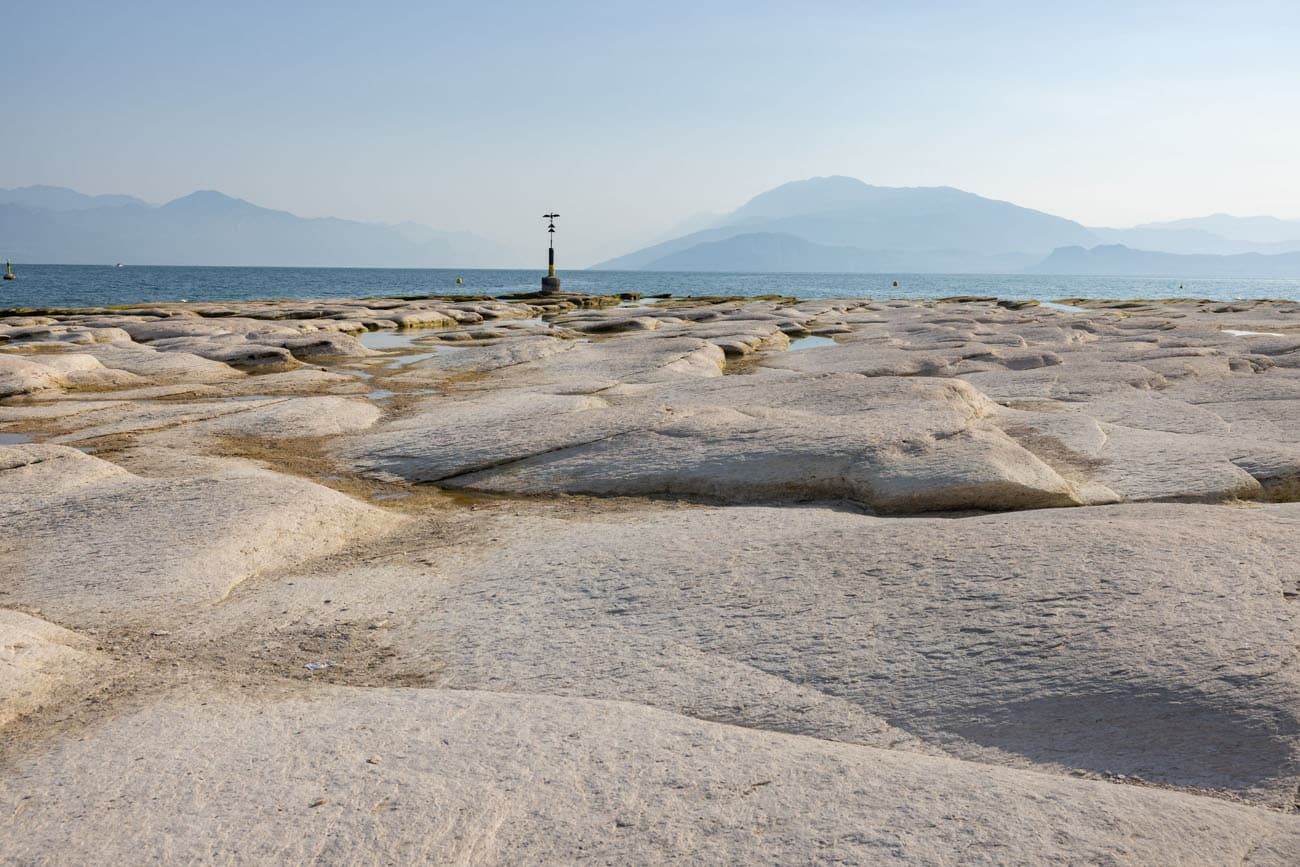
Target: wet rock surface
x=641, y=581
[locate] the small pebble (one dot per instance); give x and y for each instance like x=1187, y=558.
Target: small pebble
x=373, y=760
x=319, y=802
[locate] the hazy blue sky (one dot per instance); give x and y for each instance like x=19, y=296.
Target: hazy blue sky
x=627, y=117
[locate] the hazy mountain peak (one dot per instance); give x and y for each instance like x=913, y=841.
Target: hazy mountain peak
x=1120, y=260
x=923, y=228
x=209, y=200
x=207, y=195
x=1258, y=229
x=805, y=196
x=52, y=198
x=208, y=227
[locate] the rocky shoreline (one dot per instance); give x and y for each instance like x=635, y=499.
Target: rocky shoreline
x=637, y=579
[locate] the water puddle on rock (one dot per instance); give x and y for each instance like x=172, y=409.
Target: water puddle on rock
x=393, y=339
x=436, y=352
x=381, y=394
x=410, y=341
x=810, y=343
x=1061, y=308
x=1236, y=333
x=14, y=439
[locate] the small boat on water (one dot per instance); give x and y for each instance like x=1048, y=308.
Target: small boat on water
x=9, y=272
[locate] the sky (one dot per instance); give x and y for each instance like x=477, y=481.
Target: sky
x=629, y=117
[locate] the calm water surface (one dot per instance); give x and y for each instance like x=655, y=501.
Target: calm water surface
x=97, y=285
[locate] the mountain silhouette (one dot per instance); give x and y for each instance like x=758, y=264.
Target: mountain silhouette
x=62, y=199
x=1120, y=261
x=1259, y=230
x=777, y=252
x=939, y=228
x=58, y=225
x=842, y=224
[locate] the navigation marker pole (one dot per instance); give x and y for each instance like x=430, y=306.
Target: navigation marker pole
x=550, y=283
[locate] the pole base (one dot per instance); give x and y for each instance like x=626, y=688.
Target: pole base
x=550, y=285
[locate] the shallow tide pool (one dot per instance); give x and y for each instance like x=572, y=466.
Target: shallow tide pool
x=812, y=342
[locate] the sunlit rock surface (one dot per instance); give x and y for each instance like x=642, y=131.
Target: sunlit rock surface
x=572, y=579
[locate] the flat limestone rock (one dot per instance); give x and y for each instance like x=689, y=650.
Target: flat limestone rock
x=35, y=472
x=36, y=660
x=498, y=427
x=869, y=359
x=163, y=367
x=51, y=333
x=728, y=456
x=232, y=350
x=459, y=777
x=278, y=418
x=320, y=344
x=19, y=375
x=893, y=444
x=302, y=380
x=91, y=421
x=975, y=469
x=582, y=367
x=39, y=373
x=103, y=545
x=1151, y=640
x=1152, y=374
x=515, y=674
x=188, y=421
x=1162, y=456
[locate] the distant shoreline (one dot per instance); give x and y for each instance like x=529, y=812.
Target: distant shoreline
x=81, y=286
x=204, y=307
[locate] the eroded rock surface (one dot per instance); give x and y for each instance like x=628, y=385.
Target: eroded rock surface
x=90, y=543
x=579, y=580
x=916, y=408
x=453, y=776
x=37, y=660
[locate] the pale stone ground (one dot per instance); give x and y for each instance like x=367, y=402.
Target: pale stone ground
x=476, y=582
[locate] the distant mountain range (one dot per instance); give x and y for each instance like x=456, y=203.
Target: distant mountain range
x=59, y=225
x=783, y=252
x=1120, y=261
x=1264, y=230
x=840, y=224
x=924, y=228
x=831, y=224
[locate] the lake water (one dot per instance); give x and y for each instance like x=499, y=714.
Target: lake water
x=98, y=285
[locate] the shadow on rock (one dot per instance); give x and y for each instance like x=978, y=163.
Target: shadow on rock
x=1177, y=737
